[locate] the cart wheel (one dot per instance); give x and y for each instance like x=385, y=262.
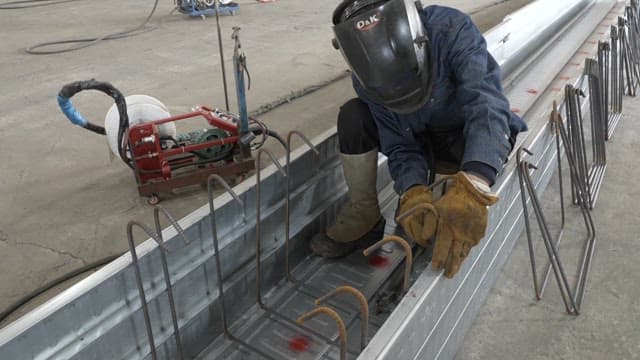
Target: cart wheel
x=153, y=200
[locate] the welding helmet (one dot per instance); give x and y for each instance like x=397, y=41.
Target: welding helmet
x=385, y=44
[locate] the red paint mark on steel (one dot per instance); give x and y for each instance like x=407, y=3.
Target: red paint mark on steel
x=533, y=91
x=556, y=89
x=565, y=78
x=516, y=110
x=378, y=261
x=593, y=42
x=299, y=344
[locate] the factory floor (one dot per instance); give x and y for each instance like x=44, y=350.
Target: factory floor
x=64, y=202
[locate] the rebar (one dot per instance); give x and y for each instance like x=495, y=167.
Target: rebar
x=364, y=309
x=342, y=330
x=292, y=323
x=408, y=266
x=165, y=269
x=214, y=233
x=287, y=220
x=139, y=283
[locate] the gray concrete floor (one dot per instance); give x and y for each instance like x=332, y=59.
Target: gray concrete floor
x=63, y=202
x=512, y=325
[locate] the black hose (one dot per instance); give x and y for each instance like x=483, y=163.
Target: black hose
x=25, y=4
x=51, y=284
x=73, y=88
x=86, y=42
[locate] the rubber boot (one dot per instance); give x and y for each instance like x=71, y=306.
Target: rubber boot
x=359, y=223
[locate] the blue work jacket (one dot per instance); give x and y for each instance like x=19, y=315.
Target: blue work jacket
x=467, y=95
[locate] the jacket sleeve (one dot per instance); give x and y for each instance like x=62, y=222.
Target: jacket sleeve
x=406, y=160
x=485, y=109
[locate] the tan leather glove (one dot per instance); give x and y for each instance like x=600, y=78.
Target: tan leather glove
x=417, y=215
x=462, y=221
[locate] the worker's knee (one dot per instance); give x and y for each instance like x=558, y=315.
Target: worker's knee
x=357, y=131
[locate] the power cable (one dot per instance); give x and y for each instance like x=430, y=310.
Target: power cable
x=83, y=42
x=53, y=283
x=25, y=4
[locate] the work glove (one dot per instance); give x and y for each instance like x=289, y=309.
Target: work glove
x=462, y=221
x=417, y=215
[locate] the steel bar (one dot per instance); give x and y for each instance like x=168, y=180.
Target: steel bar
x=364, y=309
x=218, y=264
x=292, y=323
x=522, y=168
x=552, y=251
x=333, y=315
x=616, y=84
x=165, y=269
x=139, y=283
x=590, y=240
x=222, y=64
x=407, y=249
x=287, y=205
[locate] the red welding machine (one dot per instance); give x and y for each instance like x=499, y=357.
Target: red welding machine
x=142, y=133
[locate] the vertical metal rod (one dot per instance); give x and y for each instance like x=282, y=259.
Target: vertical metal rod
x=590, y=225
x=214, y=233
x=139, y=283
x=259, y=217
x=222, y=65
x=239, y=68
x=525, y=211
x=552, y=251
x=165, y=269
x=287, y=220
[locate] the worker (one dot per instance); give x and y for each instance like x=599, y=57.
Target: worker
x=430, y=99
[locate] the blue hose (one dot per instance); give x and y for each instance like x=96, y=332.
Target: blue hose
x=71, y=112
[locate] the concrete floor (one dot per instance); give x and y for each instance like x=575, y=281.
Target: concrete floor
x=64, y=203
x=511, y=325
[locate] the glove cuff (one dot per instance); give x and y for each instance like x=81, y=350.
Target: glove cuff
x=479, y=189
x=419, y=191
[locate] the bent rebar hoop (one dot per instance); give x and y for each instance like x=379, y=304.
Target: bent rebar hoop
x=590, y=239
x=139, y=283
x=364, y=309
x=339, y=322
x=287, y=205
x=214, y=233
x=165, y=269
x=528, y=187
x=572, y=298
x=286, y=320
x=407, y=249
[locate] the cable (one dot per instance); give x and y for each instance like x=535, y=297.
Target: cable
x=25, y=4
x=86, y=42
x=51, y=284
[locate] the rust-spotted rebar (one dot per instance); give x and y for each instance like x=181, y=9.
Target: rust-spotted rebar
x=425, y=208
x=407, y=249
x=342, y=329
x=364, y=309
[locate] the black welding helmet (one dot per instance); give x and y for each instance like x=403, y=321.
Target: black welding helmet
x=385, y=45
